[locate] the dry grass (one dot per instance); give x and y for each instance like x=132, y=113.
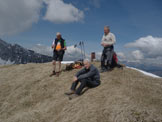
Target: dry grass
x=28, y=94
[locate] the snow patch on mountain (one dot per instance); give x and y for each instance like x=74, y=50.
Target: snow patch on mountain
x=144, y=72
x=3, y=62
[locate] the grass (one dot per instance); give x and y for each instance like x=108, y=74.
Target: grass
x=28, y=94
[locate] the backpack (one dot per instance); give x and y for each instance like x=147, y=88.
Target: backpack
x=115, y=58
x=114, y=62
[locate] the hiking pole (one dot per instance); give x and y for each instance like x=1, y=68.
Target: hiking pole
x=80, y=43
x=83, y=48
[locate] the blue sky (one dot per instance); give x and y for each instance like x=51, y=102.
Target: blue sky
x=129, y=20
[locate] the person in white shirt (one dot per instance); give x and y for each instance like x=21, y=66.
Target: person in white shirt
x=108, y=41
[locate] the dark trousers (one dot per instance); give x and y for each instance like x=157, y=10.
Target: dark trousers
x=84, y=83
x=107, y=56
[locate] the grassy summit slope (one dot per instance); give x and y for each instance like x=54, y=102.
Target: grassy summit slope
x=28, y=94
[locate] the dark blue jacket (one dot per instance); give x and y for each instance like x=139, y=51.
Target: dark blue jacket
x=91, y=73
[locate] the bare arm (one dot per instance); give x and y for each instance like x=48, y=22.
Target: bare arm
x=53, y=44
x=65, y=48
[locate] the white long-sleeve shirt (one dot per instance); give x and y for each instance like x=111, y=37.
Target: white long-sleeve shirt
x=109, y=39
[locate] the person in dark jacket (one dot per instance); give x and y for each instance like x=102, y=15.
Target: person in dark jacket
x=88, y=77
x=59, y=47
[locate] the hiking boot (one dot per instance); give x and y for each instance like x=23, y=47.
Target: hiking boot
x=109, y=70
x=58, y=73
x=53, y=73
x=70, y=93
x=73, y=96
x=103, y=70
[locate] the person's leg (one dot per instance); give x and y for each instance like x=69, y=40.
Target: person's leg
x=55, y=56
x=60, y=58
x=74, y=85
x=102, y=61
x=103, y=66
x=59, y=66
x=54, y=68
x=107, y=60
x=79, y=90
x=92, y=84
x=109, y=56
x=82, y=86
x=54, y=65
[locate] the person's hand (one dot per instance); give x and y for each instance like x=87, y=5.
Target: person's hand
x=75, y=79
x=64, y=48
x=104, y=45
x=59, y=50
x=53, y=46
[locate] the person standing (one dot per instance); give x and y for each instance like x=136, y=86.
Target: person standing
x=108, y=41
x=59, y=47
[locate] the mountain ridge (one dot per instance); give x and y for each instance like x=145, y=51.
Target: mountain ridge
x=27, y=93
x=16, y=54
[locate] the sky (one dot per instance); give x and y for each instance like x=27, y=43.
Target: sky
x=135, y=23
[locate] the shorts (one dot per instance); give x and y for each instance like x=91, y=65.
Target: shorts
x=58, y=55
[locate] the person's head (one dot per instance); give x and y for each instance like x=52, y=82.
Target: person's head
x=106, y=30
x=58, y=35
x=87, y=63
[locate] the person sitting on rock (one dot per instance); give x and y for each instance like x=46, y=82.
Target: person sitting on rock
x=88, y=77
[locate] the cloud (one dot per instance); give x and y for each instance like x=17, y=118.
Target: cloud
x=121, y=56
x=71, y=54
x=137, y=55
x=60, y=12
x=151, y=47
x=98, y=55
x=147, y=50
x=42, y=49
x=18, y=15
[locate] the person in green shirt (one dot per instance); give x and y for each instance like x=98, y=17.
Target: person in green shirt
x=59, y=47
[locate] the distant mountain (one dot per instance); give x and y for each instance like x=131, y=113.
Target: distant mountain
x=16, y=54
x=152, y=68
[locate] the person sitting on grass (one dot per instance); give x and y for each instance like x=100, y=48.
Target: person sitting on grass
x=88, y=77
x=59, y=47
